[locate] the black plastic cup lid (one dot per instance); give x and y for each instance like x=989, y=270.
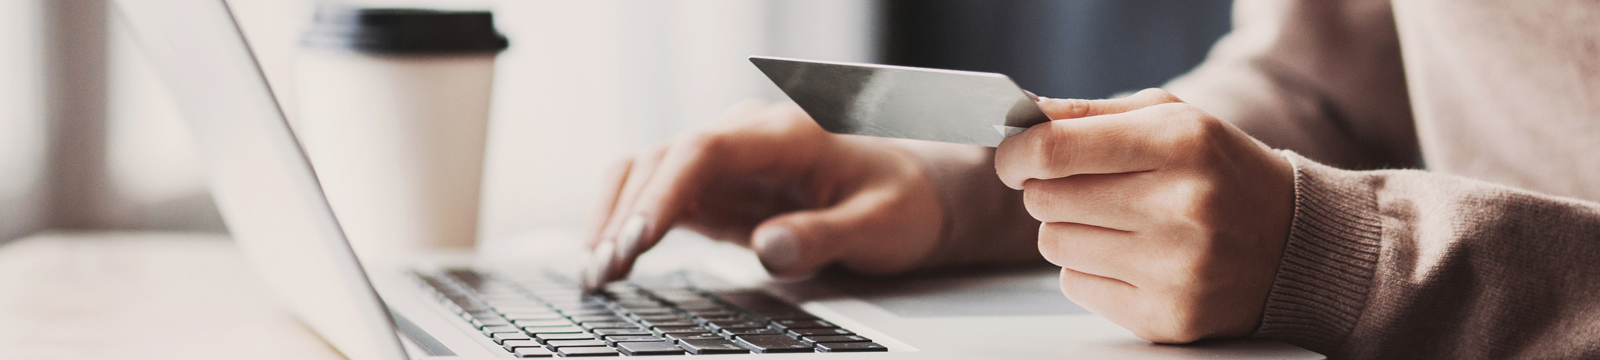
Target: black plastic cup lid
x=404, y=31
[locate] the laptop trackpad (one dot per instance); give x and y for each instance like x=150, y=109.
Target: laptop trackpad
x=1008, y=292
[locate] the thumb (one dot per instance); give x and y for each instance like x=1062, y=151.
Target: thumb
x=1058, y=109
x=797, y=244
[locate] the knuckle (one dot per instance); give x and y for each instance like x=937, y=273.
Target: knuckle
x=1046, y=151
x=1161, y=95
x=1065, y=108
x=1076, y=108
x=1190, y=128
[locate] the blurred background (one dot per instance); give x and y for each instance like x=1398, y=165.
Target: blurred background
x=90, y=140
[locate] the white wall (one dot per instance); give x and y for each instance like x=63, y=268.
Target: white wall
x=587, y=82
x=583, y=83
x=22, y=118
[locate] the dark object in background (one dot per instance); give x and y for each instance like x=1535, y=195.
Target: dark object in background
x=1058, y=48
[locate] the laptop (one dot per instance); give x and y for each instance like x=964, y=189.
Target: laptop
x=462, y=307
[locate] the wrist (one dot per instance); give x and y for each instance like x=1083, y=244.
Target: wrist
x=1326, y=271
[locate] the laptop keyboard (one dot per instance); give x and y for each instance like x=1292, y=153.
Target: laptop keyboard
x=544, y=316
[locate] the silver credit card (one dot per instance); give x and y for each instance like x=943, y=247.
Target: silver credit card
x=962, y=107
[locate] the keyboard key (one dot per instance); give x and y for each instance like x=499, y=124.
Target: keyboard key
x=504, y=305
x=535, y=316
x=613, y=340
x=697, y=303
x=541, y=323
x=621, y=332
x=677, y=337
x=680, y=329
x=802, y=324
x=730, y=318
x=711, y=346
x=741, y=332
x=512, y=345
x=714, y=313
x=767, y=344
x=553, y=330
x=482, y=313
x=480, y=323
x=758, y=302
x=706, y=306
x=682, y=322
x=566, y=343
x=649, y=348
x=587, y=351
x=719, y=325
x=589, y=313
x=490, y=330
x=819, y=332
x=500, y=338
x=680, y=298
x=850, y=347
x=640, y=303
x=546, y=338
x=653, y=311
x=834, y=339
x=662, y=317
x=532, y=352
x=596, y=318
x=591, y=325
x=520, y=309
x=580, y=308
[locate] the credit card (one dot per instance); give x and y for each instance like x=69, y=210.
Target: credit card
x=964, y=107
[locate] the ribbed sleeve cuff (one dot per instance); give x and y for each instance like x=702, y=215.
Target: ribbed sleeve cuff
x=1327, y=268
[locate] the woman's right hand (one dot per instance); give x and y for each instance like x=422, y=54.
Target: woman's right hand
x=767, y=177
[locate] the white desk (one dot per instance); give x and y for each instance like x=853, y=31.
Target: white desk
x=141, y=296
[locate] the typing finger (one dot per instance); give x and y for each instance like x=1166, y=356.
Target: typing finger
x=680, y=175
x=611, y=191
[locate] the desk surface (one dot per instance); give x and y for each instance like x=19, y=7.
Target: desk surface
x=141, y=296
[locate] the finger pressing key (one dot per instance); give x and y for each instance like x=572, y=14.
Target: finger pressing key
x=612, y=259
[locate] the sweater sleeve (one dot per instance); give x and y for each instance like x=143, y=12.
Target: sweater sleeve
x=1416, y=265
x=1323, y=78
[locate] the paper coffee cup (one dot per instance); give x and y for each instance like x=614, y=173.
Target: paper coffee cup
x=393, y=112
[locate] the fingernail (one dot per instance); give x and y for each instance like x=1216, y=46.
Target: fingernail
x=599, y=264
x=777, y=247
x=630, y=237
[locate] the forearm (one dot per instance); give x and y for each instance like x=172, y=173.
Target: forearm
x=1322, y=78
x=984, y=221
x=1409, y=264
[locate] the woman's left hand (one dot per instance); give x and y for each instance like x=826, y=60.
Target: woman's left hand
x=1166, y=220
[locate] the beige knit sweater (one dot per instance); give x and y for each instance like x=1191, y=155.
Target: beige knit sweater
x=1492, y=252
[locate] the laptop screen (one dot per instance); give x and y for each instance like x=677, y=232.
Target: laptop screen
x=263, y=183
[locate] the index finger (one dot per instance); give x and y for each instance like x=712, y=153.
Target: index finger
x=765, y=147
x=1058, y=109
x=1138, y=140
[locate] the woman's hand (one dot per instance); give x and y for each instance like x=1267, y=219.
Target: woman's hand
x=767, y=177
x=1165, y=219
